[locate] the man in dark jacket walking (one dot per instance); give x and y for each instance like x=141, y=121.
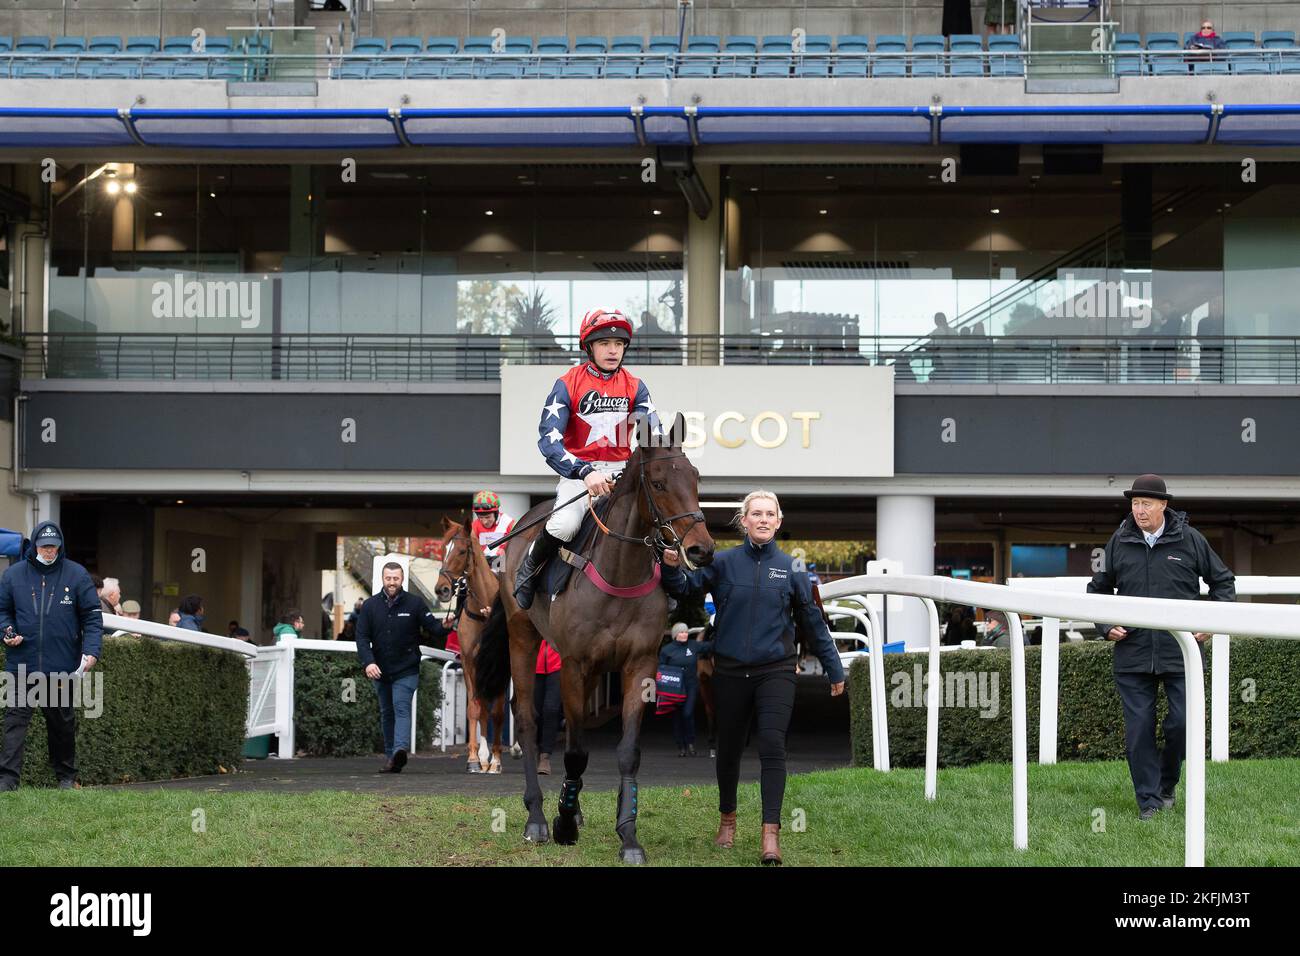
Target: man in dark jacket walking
x=388, y=644
x=1155, y=553
x=52, y=625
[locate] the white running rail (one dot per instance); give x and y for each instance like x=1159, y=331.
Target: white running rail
x=1180, y=618
x=1220, y=695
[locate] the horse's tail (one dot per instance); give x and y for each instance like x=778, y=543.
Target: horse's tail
x=492, y=656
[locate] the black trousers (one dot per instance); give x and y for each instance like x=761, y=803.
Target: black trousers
x=1155, y=773
x=61, y=733
x=684, y=717
x=547, y=707
x=769, y=694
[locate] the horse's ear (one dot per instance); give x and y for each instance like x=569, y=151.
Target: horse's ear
x=677, y=431
x=446, y=524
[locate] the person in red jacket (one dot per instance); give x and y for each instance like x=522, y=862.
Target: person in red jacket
x=586, y=434
x=546, y=703
x=491, y=524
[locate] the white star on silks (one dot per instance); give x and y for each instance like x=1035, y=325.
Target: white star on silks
x=649, y=407
x=604, y=425
x=567, y=456
x=553, y=408
x=554, y=435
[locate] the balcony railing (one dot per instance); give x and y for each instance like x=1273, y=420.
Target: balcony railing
x=309, y=357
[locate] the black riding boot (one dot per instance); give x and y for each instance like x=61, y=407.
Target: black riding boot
x=543, y=549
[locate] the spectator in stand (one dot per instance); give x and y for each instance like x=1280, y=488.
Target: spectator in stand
x=110, y=595
x=1209, y=336
x=241, y=634
x=191, y=613
x=1000, y=16
x=942, y=330
x=547, y=703
x=131, y=609
x=685, y=653
x=1206, y=39
x=231, y=628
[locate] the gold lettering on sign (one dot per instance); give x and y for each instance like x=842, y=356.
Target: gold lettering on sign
x=807, y=418
x=717, y=429
x=782, y=430
x=696, y=436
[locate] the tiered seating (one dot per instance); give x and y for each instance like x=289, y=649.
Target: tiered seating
x=107, y=57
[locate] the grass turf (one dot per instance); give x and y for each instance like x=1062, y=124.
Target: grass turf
x=1080, y=814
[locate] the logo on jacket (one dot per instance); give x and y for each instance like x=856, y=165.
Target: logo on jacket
x=67, y=599
x=593, y=403
x=1174, y=557
x=403, y=613
x=776, y=573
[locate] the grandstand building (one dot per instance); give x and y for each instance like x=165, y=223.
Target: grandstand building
x=275, y=274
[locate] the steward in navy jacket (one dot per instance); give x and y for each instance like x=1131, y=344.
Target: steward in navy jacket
x=757, y=593
x=1173, y=568
x=54, y=607
x=686, y=655
x=389, y=635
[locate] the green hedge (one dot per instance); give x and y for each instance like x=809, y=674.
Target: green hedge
x=169, y=710
x=327, y=724
x=1090, y=723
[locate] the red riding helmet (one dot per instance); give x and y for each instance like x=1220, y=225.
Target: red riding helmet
x=599, y=324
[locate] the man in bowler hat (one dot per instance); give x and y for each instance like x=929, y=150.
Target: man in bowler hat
x=1155, y=553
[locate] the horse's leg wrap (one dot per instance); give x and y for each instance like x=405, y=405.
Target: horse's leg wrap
x=569, y=791
x=626, y=803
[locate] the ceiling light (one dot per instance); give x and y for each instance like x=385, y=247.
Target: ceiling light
x=213, y=195
x=657, y=212
x=995, y=211
x=112, y=187
x=822, y=211
x=158, y=215
x=487, y=212
x=130, y=186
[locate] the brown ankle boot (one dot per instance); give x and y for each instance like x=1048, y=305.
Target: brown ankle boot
x=771, y=844
x=726, y=830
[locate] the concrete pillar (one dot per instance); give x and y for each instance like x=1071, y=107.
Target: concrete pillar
x=704, y=273
x=905, y=532
x=47, y=507
x=27, y=240
x=250, y=582
x=309, y=581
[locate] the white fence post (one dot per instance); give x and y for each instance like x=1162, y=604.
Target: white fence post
x=1220, y=699
x=1048, y=686
x=1019, y=744
x=284, y=699
x=1194, y=679
x=932, y=707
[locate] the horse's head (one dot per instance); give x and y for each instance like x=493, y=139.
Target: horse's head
x=671, y=502
x=455, y=558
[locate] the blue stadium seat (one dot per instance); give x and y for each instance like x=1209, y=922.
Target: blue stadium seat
x=589, y=45
x=664, y=44
x=519, y=46
x=703, y=44
x=1168, y=66
x=1277, y=39
x=1249, y=65
x=893, y=66
x=385, y=71
x=1289, y=65
x=216, y=45
x=695, y=68
x=369, y=46
x=626, y=44
x=32, y=44
x=927, y=65
x=73, y=45
x=968, y=44
x=580, y=71
x=460, y=70
x=502, y=71
x=447, y=46
x=815, y=66
x=776, y=44
x=7, y=44
x=116, y=71
x=479, y=46
x=1000, y=62
x=545, y=70
x=1239, y=39
x=657, y=69
x=406, y=45
x=739, y=66
x=1127, y=41
x=852, y=43
x=163, y=71
x=1211, y=66
x=849, y=68
x=1163, y=41
x=142, y=46
x=817, y=43
x=190, y=71
x=741, y=44
x=84, y=70
x=620, y=69
x=229, y=70
x=38, y=71
x=425, y=70
x=773, y=66
x=178, y=45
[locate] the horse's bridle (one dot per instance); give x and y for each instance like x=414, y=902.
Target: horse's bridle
x=460, y=587
x=660, y=522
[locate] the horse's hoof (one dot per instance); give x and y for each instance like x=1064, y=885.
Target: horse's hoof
x=566, y=831
x=495, y=767
x=632, y=854
x=537, y=833
x=473, y=767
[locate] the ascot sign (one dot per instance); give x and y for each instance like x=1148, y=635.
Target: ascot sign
x=743, y=421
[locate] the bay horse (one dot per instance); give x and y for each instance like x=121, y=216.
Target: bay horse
x=610, y=618
x=467, y=576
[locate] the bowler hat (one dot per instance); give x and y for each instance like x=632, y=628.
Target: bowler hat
x=1148, y=486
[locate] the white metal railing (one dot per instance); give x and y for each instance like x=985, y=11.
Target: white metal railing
x=1220, y=697
x=1180, y=618
x=115, y=622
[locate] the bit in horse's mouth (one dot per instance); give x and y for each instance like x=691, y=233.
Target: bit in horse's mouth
x=690, y=565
